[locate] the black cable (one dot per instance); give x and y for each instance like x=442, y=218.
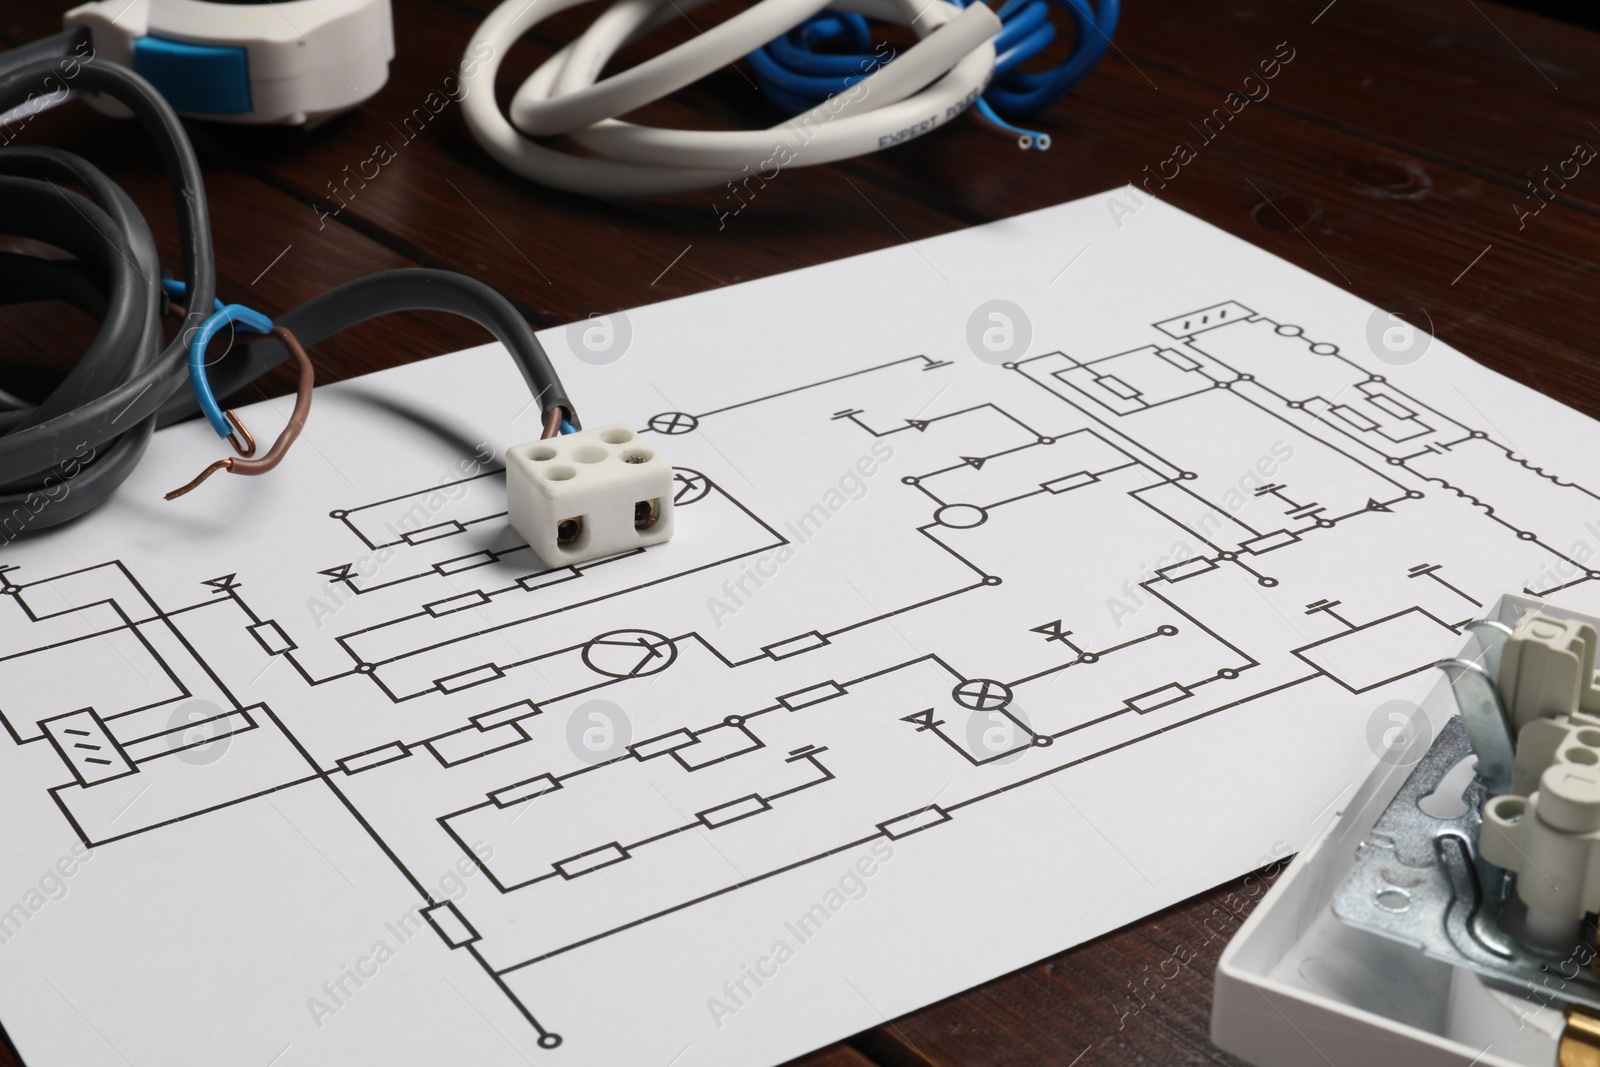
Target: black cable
x=408, y=289
x=65, y=455
x=57, y=44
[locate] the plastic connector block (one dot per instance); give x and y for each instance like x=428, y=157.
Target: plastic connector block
x=1547, y=829
x=1548, y=669
x=589, y=494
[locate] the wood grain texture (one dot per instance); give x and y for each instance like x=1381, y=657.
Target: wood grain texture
x=1391, y=157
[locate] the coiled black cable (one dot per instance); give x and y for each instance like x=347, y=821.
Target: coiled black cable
x=61, y=457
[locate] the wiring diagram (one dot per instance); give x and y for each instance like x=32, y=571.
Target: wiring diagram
x=1093, y=550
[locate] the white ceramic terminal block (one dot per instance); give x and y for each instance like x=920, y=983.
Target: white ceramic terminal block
x=589, y=494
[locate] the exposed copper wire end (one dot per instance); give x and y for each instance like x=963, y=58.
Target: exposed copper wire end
x=280, y=447
x=219, y=465
x=247, y=449
x=552, y=423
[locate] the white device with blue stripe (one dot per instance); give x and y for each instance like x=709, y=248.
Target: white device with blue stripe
x=292, y=63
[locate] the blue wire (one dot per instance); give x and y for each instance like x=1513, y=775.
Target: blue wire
x=796, y=88
x=796, y=76
x=247, y=319
x=1023, y=92
x=1031, y=14
x=1024, y=37
x=178, y=290
x=567, y=427
x=1025, y=138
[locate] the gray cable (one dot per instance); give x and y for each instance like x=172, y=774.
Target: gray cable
x=62, y=457
x=65, y=455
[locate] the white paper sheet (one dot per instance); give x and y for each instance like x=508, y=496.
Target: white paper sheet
x=951, y=665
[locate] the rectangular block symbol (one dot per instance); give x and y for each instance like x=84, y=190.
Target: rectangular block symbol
x=1268, y=542
x=815, y=694
x=1382, y=651
x=464, y=744
x=88, y=750
x=1178, y=359
x=433, y=533
x=1187, y=569
x=911, y=822
x=270, y=636
x=377, y=757
x=591, y=861
x=450, y=605
x=1158, y=698
x=1205, y=319
x=1117, y=387
x=531, y=582
x=734, y=810
x=1353, y=417
x=516, y=794
x=488, y=720
x=464, y=563
x=1069, y=482
x=795, y=645
x=467, y=679
x=1388, y=404
x=448, y=922
x=660, y=746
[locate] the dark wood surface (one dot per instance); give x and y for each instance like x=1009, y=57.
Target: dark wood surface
x=1392, y=158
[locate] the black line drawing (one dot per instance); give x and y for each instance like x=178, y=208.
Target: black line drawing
x=1311, y=510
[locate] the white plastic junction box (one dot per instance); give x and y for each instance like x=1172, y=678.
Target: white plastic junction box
x=1341, y=964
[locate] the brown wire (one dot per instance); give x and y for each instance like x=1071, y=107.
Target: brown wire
x=552, y=423
x=247, y=447
x=280, y=447
x=240, y=439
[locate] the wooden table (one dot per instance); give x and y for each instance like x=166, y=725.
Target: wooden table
x=1392, y=157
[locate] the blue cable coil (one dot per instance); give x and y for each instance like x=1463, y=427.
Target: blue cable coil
x=224, y=314
x=797, y=75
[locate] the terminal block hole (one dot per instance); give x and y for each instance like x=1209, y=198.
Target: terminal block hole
x=1448, y=800
x=1509, y=808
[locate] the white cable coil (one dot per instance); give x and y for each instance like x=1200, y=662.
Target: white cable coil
x=920, y=89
